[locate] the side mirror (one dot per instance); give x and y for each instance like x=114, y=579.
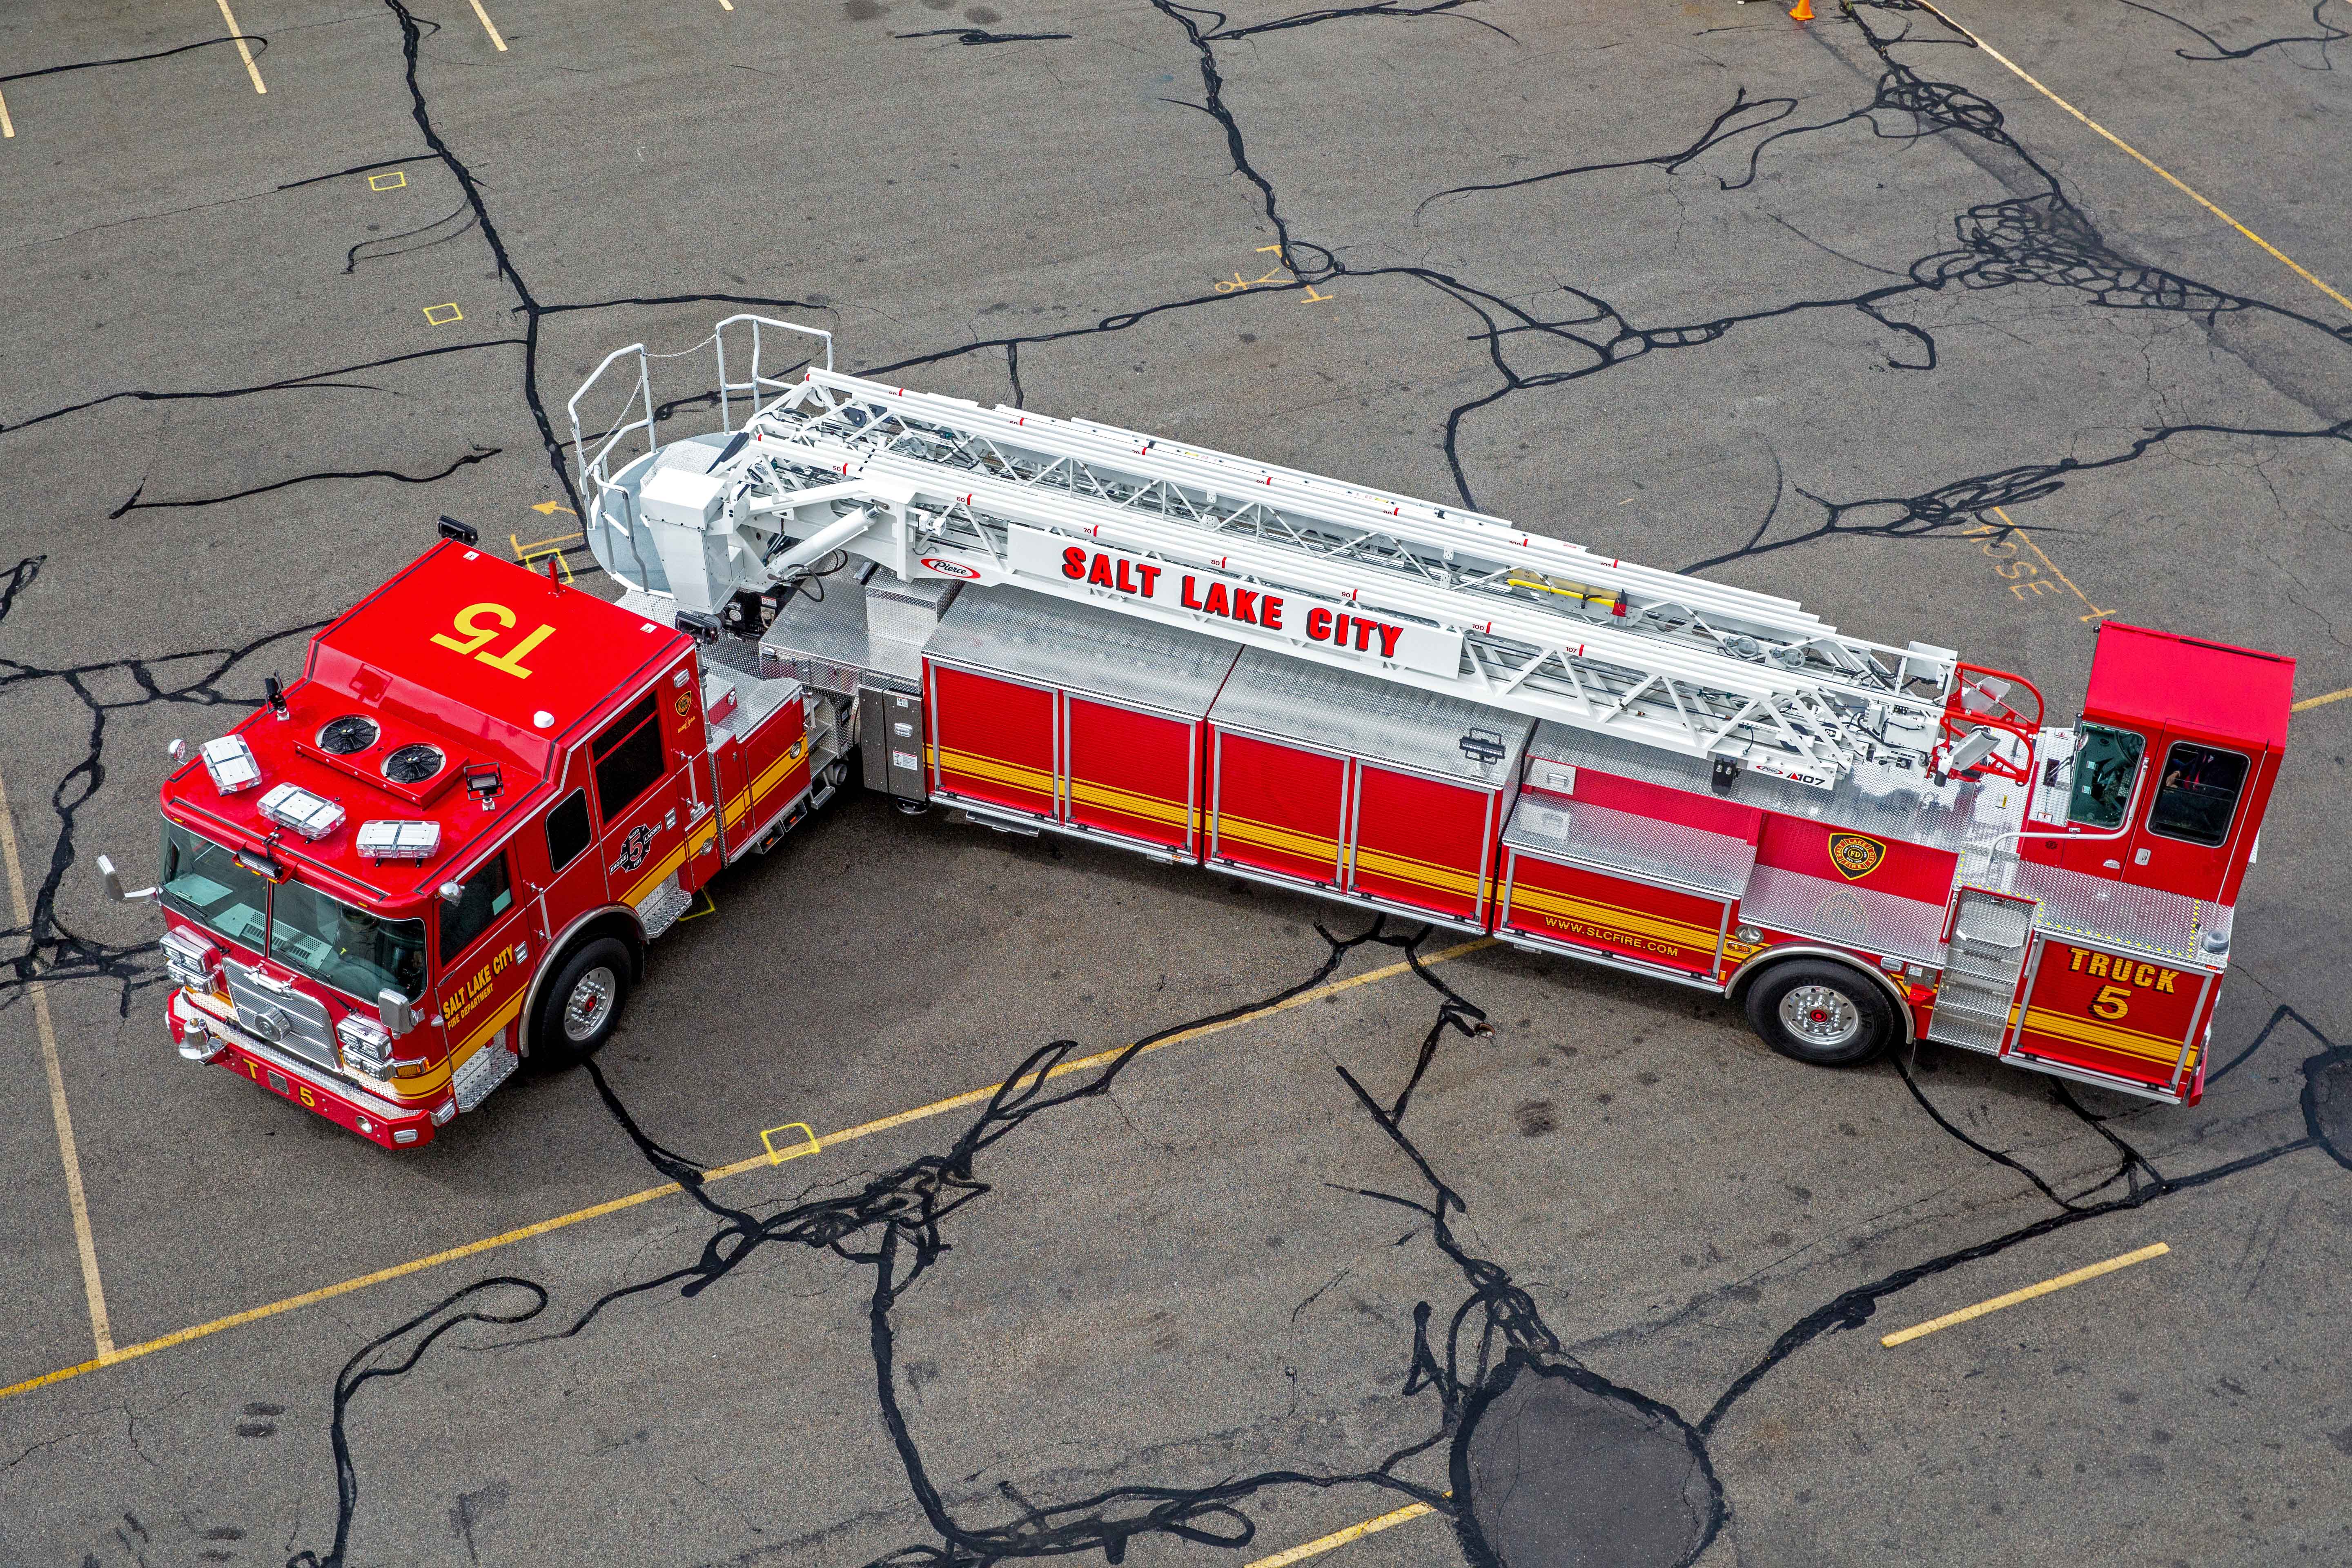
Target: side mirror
x=392, y=1010
x=113, y=880
x=451, y=892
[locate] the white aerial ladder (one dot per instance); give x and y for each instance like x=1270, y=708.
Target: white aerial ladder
x=939, y=487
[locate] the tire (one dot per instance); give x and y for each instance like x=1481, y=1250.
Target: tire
x=1820, y=1012
x=575, y=1014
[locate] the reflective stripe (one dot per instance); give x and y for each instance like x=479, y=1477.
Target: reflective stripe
x=2106, y=1037
x=1656, y=926
x=1266, y=835
x=647, y=883
x=1156, y=808
x=997, y=771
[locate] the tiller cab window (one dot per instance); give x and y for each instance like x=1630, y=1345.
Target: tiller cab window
x=331, y=941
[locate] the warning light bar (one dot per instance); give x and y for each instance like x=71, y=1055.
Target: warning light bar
x=311, y=815
x=230, y=761
x=399, y=840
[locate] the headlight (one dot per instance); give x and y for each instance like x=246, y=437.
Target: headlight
x=192, y=961
x=365, y=1044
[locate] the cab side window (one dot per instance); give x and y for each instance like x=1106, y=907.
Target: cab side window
x=628, y=757
x=567, y=831
x=2105, y=763
x=2198, y=793
x=489, y=894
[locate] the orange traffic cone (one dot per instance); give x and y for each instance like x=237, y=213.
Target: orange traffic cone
x=1804, y=11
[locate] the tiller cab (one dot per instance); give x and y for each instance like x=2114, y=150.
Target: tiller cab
x=446, y=848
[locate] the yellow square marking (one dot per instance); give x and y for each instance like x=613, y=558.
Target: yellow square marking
x=790, y=1152
x=442, y=315
x=391, y=182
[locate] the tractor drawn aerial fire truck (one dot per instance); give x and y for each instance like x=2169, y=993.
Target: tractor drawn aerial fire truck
x=447, y=847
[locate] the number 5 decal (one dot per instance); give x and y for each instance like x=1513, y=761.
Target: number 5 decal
x=2112, y=1003
x=476, y=635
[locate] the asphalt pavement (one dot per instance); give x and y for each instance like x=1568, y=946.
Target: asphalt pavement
x=1972, y=350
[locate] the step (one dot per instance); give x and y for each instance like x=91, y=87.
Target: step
x=660, y=910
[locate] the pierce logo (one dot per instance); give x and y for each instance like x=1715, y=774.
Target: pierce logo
x=633, y=853
x=949, y=568
x=1856, y=855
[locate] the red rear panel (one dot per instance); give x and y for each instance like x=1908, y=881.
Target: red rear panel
x=1278, y=808
x=2114, y=1014
x=1569, y=907
x=1132, y=774
x=775, y=759
x=992, y=740
x=1422, y=843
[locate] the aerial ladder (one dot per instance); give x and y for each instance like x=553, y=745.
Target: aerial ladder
x=925, y=485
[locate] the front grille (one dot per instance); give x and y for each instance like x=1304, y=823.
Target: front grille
x=280, y=1015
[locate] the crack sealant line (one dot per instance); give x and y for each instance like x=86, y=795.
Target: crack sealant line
x=109, y=1356
x=100, y=1329
x=2160, y=170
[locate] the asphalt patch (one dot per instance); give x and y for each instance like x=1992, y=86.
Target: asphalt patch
x=1555, y=1467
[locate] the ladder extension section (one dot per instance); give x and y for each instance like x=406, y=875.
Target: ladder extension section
x=1494, y=614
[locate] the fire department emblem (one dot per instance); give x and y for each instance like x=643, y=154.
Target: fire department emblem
x=1855, y=855
x=633, y=853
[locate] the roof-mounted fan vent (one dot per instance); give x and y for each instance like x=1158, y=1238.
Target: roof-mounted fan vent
x=352, y=732
x=413, y=764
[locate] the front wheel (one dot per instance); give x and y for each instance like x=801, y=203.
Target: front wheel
x=1830, y=1015
x=576, y=1011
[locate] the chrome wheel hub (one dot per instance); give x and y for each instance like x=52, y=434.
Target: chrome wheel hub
x=592, y=999
x=1820, y=1015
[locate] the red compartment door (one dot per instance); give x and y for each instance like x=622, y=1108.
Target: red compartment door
x=1422, y=843
x=2127, y=1017
x=1131, y=772
x=993, y=741
x=1567, y=906
x=1279, y=808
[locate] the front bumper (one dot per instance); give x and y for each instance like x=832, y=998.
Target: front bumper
x=202, y=1036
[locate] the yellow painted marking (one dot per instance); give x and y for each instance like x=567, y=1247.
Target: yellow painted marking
x=808, y=1145
x=392, y=181
x=7, y=126
x=442, y=315
x=2321, y=701
x=710, y=907
x=488, y=26
x=238, y=34
x=726, y=5
x=1312, y=298
x=2096, y=614
x=93, y=1289
x=1339, y=1538
x=597, y=1211
x=549, y=509
x=534, y=553
x=2015, y=1297
x=2154, y=167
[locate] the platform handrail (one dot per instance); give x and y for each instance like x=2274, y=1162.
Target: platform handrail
x=757, y=382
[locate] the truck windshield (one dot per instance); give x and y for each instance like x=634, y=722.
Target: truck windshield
x=202, y=881
x=2105, y=763
x=346, y=948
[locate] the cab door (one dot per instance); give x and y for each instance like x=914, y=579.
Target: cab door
x=483, y=943
x=2186, y=831
x=643, y=791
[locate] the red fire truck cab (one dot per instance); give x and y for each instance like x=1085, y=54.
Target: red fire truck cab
x=446, y=845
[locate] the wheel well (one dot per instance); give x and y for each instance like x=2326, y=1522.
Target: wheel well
x=616, y=921
x=1773, y=957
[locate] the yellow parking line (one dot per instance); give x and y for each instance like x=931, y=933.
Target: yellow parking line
x=7, y=126
x=2321, y=701
x=489, y=27
x=85, y=1245
x=2168, y=176
x=327, y=1292
x=1342, y=1537
x=1966, y=1314
x=238, y=34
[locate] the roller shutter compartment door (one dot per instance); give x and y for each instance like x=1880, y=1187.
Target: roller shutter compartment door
x=992, y=741
x=1131, y=772
x=1279, y=809
x=1422, y=843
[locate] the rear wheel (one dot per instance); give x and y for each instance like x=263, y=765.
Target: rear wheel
x=576, y=1011
x=1821, y=1012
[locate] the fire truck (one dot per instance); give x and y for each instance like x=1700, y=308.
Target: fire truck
x=448, y=846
